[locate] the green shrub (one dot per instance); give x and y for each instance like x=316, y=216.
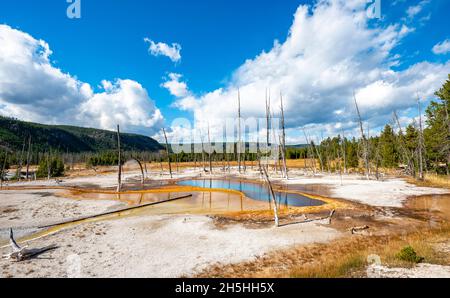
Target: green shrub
x=408, y=254
x=56, y=168
x=108, y=158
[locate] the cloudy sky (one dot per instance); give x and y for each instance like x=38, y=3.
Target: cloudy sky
x=143, y=64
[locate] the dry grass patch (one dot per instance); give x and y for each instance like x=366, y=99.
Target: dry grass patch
x=347, y=257
x=431, y=180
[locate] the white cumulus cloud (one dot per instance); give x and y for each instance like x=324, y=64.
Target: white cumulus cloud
x=414, y=10
x=33, y=89
x=442, y=47
x=173, y=52
x=175, y=86
x=330, y=51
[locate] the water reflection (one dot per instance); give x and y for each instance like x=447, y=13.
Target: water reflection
x=254, y=191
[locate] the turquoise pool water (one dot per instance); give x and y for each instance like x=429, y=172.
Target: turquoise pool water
x=254, y=191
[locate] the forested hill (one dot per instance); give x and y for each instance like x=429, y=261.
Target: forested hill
x=72, y=139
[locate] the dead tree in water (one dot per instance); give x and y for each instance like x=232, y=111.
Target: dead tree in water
x=275, y=208
x=119, y=174
x=168, y=154
x=365, y=149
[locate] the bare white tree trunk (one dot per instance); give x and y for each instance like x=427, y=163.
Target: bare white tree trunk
x=210, y=152
x=28, y=157
x=275, y=208
x=119, y=173
x=365, y=152
x=283, y=139
x=239, y=148
x=421, y=142
x=168, y=153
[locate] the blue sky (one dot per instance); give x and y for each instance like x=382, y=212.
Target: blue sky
x=216, y=39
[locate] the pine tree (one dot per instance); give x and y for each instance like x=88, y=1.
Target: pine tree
x=437, y=134
x=388, y=148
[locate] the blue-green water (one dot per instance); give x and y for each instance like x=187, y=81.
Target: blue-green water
x=254, y=191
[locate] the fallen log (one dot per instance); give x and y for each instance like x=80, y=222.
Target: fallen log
x=114, y=212
x=329, y=217
x=354, y=230
x=20, y=254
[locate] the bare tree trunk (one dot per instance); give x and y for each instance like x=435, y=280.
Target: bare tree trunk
x=210, y=152
x=365, y=153
x=239, y=148
x=421, y=145
x=275, y=208
x=119, y=173
x=267, y=124
x=48, y=164
x=283, y=139
x=284, y=162
x=203, y=156
x=448, y=136
x=19, y=170
x=168, y=154
x=142, y=170
x=3, y=174
x=28, y=157
x=344, y=152
x=406, y=154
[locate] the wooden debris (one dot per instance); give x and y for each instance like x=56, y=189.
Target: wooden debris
x=20, y=254
x=355, y=230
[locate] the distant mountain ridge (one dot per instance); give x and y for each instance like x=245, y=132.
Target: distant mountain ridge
x=71, y=139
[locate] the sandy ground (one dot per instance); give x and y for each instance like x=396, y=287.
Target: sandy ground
x=419, y=271
x=164, y=245
x=391, y=192
x=156, y=246
x=27, y=209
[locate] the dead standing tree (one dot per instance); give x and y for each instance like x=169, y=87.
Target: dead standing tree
x=168, y=153
x=272, y=193
x=364, y=140
x=210, y=151
x=409, y=157
x=119, y=173
x=421, y=140
x=268, y=121
x=239, y=149
x=19, y=169
x=283, y=138
x=28, y=157
x=3, y=169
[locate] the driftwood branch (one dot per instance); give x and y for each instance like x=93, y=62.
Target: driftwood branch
x=20, y=254
x=355, y=230
x=307, y=220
